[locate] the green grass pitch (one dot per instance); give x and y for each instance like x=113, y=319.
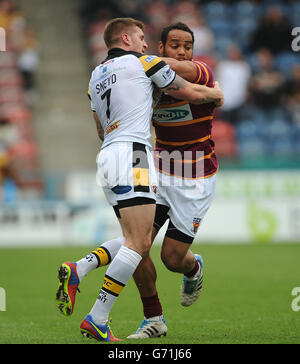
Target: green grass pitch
x=247, y=297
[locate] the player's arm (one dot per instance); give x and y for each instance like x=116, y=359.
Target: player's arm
x=193, y=93
x=189, y=71
x=100, y=130
x=98, y=126
x=185, y=69
x=166, y=79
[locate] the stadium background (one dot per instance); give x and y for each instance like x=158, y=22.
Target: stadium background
x=47, y=129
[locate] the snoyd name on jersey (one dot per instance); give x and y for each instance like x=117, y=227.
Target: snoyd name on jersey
x=107, y=82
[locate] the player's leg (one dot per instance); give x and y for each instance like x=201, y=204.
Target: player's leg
x=153, y=324
x=188, y=206
x=70, y=274
x=101, y=256
x=134, y=189
x=177, y=257
x=136, y=222
x=145, y=274
x=176, y=254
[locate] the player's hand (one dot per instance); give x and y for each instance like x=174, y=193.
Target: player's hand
x=219, y=101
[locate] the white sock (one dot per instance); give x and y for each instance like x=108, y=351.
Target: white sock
x=117, y=275
x=99, y=257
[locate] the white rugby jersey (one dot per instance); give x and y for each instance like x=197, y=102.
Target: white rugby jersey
x=120, y=91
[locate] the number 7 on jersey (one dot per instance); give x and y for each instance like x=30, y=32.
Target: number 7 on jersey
x=107, y=95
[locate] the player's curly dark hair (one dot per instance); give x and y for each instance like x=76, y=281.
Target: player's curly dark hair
x=180, y=26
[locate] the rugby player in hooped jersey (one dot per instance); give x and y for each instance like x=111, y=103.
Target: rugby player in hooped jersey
x=121, y=90
x=186, y=182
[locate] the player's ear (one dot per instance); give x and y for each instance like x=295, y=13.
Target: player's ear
x=126, y=39
x=161, y=48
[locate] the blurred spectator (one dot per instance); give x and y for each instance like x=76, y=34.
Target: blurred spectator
x=7, y=169
x=191, y=15
x=158, y=15
x=273, y=32
x=292, y=91
x=21, y=40
x=129, y=8
x=9, y=14
x=233, y=75
x=28, y=61
x=267, y=84
x=12, y=20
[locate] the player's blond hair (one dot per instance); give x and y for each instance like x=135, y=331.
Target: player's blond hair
x=115, y=27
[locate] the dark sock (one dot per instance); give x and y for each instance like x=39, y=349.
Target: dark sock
x=151, y=306
x=194, y=270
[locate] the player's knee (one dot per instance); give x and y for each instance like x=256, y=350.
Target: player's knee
x=146, y=245
x=142, y=246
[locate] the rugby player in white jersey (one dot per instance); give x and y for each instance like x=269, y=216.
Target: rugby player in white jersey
x=120, y=90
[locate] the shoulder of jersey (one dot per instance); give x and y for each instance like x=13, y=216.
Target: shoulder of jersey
x=151, y=64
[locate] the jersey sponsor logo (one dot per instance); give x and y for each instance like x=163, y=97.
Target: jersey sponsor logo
x=112, y=127
x=108, y=62
x=170, y=115
x=168, y=74
x=196, y=224
x=120, y=190
x=150, y=58
x=154, y=189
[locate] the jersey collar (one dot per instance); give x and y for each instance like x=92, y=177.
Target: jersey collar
x=119, y=52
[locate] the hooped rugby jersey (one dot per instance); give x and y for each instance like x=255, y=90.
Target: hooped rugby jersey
x=121, y=89
x=184, y=145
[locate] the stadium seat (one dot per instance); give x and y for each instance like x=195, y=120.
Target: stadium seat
x=296, y=139
x=216, y=9
x=248, y=129
x=11, y=94
x=245, y=27
x=7, y=60
x=244, y=10
x=223, y=134
x=222, y=43
x=25, y=155
x=282, y=148
x=252, y=148
x=13, y=110
x=222, y=27
x=279, y=129
x=285, y=62
x=10, y=77
x=295, y=13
